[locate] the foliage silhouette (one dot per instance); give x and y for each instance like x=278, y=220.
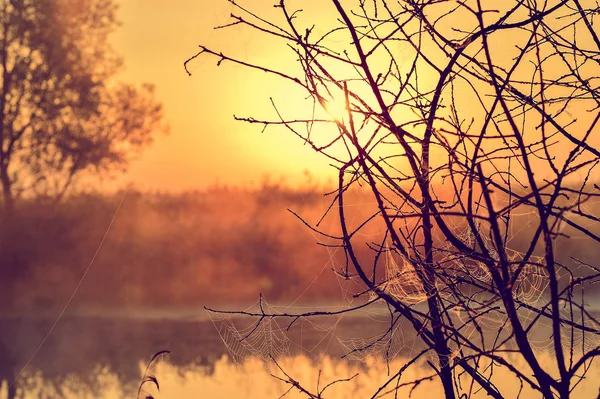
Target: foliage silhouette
x=61, y=113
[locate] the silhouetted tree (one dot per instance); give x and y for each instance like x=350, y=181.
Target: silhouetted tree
x=61, y=113
x=474, y=125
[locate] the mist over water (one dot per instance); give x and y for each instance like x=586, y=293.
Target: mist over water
x=166, y=257
x=168, y=251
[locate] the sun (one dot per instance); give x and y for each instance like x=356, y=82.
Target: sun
x=336, y=108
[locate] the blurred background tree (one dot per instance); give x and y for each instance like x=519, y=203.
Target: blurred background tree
x=62, y=114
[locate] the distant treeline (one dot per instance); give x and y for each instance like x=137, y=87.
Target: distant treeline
x=220, y=245
x=198, y=248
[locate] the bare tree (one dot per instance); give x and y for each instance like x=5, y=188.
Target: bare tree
x=474, y=126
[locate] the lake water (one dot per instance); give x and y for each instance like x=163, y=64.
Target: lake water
x=103, y=354
x=116, y=344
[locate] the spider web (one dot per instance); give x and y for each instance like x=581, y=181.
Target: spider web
x=259, y=337
x=388, y=345
x=531, y=283
x=402, y=281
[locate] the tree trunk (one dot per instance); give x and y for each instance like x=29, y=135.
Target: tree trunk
x=8, y=201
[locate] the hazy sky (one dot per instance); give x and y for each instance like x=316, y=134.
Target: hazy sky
x=206, y=145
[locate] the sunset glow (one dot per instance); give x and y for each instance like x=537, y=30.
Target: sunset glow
x=337, y=109
x=206, y=145
x=299, y=198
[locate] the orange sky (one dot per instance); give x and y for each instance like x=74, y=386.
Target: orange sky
x=206, y=145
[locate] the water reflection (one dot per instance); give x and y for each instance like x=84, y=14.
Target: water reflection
x=83, y=349
x=254, y=379
x=104, y=358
